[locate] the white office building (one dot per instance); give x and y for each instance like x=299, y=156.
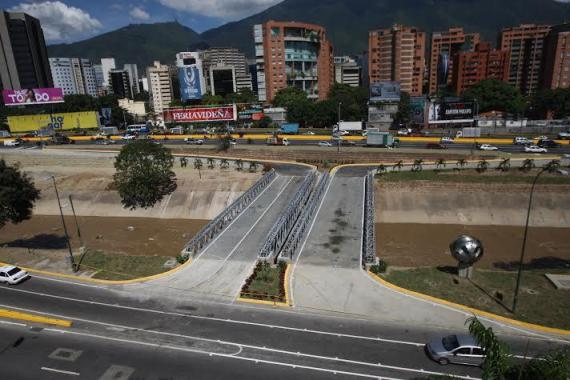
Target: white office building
x=133, y=71
x=107, y=64
x=160, y=87
x=347, y=71
x=76, y=76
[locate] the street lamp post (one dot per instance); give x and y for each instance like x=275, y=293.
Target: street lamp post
x=338, y=129
x=519, y=273
x=72, y=262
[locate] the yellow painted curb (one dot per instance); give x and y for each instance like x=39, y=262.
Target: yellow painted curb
x=10, y=314
x=287, y=302
x=487, y=314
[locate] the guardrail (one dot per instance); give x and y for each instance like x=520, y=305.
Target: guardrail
x=283, y=226
x=304, y=221
x=213, y=228
x=369, y=244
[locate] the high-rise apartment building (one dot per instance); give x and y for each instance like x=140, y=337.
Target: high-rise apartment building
x=557, y=58
x=133, y=71
x=444, y=47
x=229, y=63
x=525, y=44
x=160, y=87
x=99, y=79
x=398, y=54
x=74, y=75
x=293, y=54
x=23, y=54
x=107, y=64
x=120, y=83
x=347, y=71
x=484, y=63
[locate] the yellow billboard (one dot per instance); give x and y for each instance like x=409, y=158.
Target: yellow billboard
x=57, y=121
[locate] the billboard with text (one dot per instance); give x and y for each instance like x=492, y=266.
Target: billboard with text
x=385, y=91
x=451, y=112
x=190, y=83
x=32, y=96
x=201, y=114
x=56, y=121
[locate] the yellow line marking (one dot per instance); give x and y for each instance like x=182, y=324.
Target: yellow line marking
x=10, y=314
x=487, y=314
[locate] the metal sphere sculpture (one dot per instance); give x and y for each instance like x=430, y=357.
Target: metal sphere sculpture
x=467, y=250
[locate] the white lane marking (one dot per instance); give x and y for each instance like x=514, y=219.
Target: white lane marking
x=230, y=254
x=306, y=239
x=67, y=282
x=60, y=371
x=241, y=346
x=12, y=323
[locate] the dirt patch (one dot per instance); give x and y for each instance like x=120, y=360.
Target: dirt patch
x=416, y=245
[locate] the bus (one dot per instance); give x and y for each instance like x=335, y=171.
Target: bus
x=138, y=129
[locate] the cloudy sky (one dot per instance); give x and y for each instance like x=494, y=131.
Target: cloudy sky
x=72, y=20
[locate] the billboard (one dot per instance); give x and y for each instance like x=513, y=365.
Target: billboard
x=190, y=83
x=201, y=114
x=417, y=109
x=32, y=96
x=385, y=91
x=450, y=112
x=443, y=67
x=56, y=121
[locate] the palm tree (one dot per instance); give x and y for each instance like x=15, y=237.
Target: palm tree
x=198, y=163
x=439, y=163
x=417, y=166
x=482, y=166
x=461, y=163
x=253, y=167
x=505, y=165
x=239, y=165
x=552, y=166
x=224, y=164
x=399, y=165
x=183, y=162
x=381, y=169
x=210, y=163
x=527, y=165
x=497, y=356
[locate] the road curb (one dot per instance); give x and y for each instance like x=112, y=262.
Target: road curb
x=526, y=325
x=287, y=302
x=11, y=314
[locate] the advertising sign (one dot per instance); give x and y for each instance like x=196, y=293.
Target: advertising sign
x=451, y=112
x=385, y=91
x=56, y=121
x=190, y=83
x=106, y=114
x=32, y=96
x=443, y=67
x=418, y=109
x=201, y=114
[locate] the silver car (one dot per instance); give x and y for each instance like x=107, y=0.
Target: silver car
x=459, y=349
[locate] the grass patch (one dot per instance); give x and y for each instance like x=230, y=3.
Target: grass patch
x=492, y=291
x=266, y=283
x=110, y=266
x=472, y=176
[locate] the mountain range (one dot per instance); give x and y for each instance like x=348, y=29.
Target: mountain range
x=347, y=23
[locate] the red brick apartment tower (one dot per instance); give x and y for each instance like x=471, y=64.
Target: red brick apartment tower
x=557, y=58
x=398, y=54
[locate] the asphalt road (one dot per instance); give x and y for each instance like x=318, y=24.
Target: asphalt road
x=190, y=338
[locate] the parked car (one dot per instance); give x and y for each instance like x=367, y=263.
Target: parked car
x=521, y=141
x=324, y=143
x=488, y=147
x=447, y=140
x=12, y=275
x=435, y=146
x=458, y=349
x=193, y=141
x=546, y=143
x=535, y=149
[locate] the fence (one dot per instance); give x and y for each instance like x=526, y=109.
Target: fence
x=369, y=244
x=213, y=228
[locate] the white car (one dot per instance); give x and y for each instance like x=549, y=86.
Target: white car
x=12, y=275
x=11, y=142
x=488, y=147
x=344, y=133
x=309, y=133
x=541, y=138
x=403, y=132
x=534, y=149
x=128, y=137
x=324, y=143
x=193, y=141
x=365, y=133
x=447, y=139
x=521, y=141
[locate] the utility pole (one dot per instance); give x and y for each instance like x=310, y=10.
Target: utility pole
x=76, y=223
x=71, y=261
x=338, y=130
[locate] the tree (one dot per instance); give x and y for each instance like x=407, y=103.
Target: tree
x=496, y=95
x=244, y=95
x=212, y=100
x=17, y=195
x=497, y=356
x=404, y=109
x=554, y=102
x=144, y=174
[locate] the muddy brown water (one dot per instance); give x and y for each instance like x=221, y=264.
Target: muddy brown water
x=409, y=245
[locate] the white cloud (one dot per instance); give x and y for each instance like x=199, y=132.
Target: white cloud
x=224, y=9
x=59, y=21
x=139, y=14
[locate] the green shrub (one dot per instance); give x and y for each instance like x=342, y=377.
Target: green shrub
x=181, y=259
x=381, y=267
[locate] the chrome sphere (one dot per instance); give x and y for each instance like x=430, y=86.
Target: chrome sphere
x=466, y=249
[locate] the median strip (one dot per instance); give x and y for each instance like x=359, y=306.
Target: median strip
x=11, y=314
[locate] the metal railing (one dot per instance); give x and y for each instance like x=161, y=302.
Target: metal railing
x=369, y=244
x=283, y=226
x=213, y=228
x=290, y=249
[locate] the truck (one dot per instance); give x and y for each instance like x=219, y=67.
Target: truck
x=289, y=128
x=381, y=139
x=349, y=126
x=276, y=140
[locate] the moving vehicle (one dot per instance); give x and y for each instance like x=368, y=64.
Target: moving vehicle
x=535, y=149
x=381, y=139
x=324, y=143
x=233, y=142
x=447, y=140
x=109, y=131
x=61, y=139
x=435, y=146
x=546, y=143
x=488, y=147
x=564, y=135
x=543, y=137
x=404, y=132
x=459, y=349
x=289, y=128
x=521, y=141
x=309, y=133
x=138, y=128
x=128, y=137
x=12, y=142
x=106, y=142
x=277, y=141
x=12, y=275
x=193, y=141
